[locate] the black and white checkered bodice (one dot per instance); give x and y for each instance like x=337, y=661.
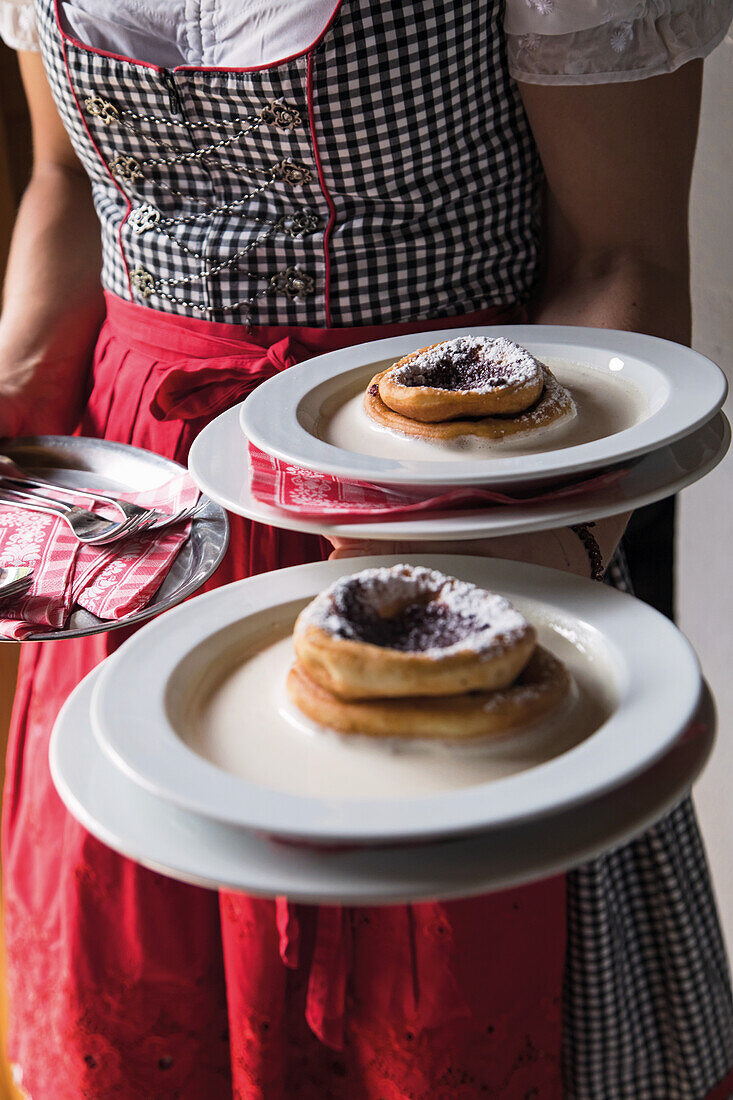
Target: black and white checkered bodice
x=387, y=174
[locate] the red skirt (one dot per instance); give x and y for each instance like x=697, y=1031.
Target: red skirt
x=125, y=984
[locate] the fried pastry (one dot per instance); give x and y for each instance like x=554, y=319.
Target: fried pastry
x=410, y=631
x=470, y=376
x=554, y=405
x=541, y=688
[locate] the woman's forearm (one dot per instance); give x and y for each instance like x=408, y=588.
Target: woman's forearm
x=52, y=302
x=618, y=163
x=618, y=291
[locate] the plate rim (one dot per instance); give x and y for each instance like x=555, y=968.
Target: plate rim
x=689, y=375
x=75, y=712
x=129, y=710
x=446, y=527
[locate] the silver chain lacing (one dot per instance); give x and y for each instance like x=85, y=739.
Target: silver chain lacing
x=292, y=282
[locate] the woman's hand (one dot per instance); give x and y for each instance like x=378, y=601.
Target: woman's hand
x=559, y=549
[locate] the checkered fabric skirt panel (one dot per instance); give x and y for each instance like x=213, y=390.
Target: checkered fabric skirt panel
x=648, y=1013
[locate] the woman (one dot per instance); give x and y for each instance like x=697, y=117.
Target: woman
x=384, y=175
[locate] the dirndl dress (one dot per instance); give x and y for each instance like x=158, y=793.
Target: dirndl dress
x=250, y=219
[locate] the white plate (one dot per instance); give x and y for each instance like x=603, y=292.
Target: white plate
x=682, y=388
x=150, y=684
x=219, y=464
x=185, y=846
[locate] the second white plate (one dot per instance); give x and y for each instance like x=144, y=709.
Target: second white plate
x=219, y=464
x=150, y=688
x=185, y=846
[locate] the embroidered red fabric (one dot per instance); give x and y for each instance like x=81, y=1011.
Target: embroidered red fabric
x=125, y=984
x=322, y=496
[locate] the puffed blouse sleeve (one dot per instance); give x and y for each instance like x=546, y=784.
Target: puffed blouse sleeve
x=18, y=24
x=603, y=41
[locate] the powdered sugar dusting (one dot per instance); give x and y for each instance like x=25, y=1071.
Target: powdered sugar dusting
x=414, y=609
x=475, y=364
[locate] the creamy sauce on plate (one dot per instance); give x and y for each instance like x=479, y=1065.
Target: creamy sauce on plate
x=246, y=725
x=606, y=404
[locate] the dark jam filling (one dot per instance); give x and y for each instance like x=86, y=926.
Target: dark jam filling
x=470, y=372
x=419, y=627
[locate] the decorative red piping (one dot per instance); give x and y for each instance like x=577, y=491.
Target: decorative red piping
x=103, y=161
x=326, y=195
x=198, y=68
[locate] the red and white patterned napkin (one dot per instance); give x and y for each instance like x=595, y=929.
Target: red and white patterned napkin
x=322, y=496
x=109, y=581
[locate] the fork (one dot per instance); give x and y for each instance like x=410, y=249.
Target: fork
x=149, y=519
x=88, y=528
x=15, y=580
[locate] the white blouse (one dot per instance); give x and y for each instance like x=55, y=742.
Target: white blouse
x=549, y=41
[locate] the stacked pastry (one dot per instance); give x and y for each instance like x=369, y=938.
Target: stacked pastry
x=472, y=385
x=409, y=652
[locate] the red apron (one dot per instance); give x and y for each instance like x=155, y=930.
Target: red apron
x=125, y=984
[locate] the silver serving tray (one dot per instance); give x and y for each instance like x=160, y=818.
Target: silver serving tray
x=102, y=464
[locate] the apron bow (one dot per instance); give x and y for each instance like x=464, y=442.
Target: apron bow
x=195, y=388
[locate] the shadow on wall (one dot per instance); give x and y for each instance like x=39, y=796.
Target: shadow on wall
x=705, y=591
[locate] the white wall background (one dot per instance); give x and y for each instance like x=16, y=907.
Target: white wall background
x=705, y=555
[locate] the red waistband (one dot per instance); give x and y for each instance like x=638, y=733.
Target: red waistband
x=167, y=335
x=204, y=367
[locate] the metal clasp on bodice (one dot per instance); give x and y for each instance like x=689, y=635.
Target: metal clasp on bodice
x=124, y=167
x=102, y=109
x=300, y=224
x=293, y=283
x=144, y=217
x=282, y=115
x=142, y=281
x=288, y=171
